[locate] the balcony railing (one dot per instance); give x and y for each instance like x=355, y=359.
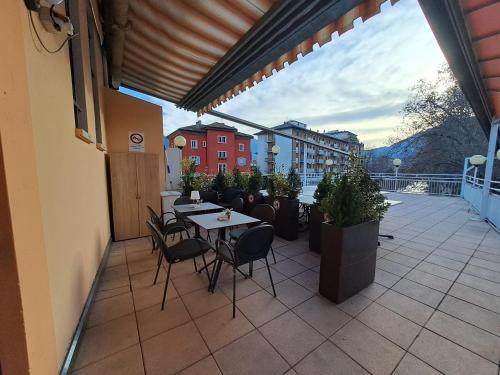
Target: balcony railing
x=435, y=184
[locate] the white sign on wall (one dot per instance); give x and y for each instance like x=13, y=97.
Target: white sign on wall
x=136, y=142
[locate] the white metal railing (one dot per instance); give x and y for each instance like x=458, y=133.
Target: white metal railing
x=479, y=182
x=435, y=184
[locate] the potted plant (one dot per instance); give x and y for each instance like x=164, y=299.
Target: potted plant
x=353, y=209
x=188, y=176
x=316, y=217
x=283, y=191
x=252, y=186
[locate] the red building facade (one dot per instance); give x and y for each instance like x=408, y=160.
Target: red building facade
x=215, y=147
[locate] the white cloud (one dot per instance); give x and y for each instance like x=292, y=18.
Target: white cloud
x=357, y=82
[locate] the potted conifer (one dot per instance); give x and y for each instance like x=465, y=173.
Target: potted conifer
x=349, y=236
x=252, y=185
x=316, y=217
x=283, y=191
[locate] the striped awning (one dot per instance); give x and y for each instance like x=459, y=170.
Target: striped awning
x=201, y=53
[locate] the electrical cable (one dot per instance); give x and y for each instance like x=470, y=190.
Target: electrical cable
x=40, y=39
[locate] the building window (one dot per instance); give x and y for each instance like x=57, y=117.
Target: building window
x=242, y=161
x=204, y=143
x=221, y=139
x=222, y=155
x=241, y=147
x=222, y=167
x=196, y=159
x=194, y=144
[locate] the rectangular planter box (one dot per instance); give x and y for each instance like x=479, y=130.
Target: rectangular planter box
x=286, y=224
x=348, y=259
x=250, y=201
x=316, y=218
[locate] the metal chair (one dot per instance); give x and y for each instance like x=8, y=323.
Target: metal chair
x=265, y=213
x=252, y=245
x=185, y=249
x=172, y=225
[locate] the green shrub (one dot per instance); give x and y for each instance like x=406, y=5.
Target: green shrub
x=220, y=182
x=324, y=187
x=354, y=198
x=294, y=184
x=277, y=185
x=254, y=180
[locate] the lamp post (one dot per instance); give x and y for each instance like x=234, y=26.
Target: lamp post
x=329, y=163
x=275, y=150
x=180, y=142
x=498, y=154
x=476, y=161
x=396, y=163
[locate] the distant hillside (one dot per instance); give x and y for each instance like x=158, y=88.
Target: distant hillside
x=380, y=158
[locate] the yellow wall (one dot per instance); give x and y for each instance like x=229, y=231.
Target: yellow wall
x=56, y=187
x=124, y=113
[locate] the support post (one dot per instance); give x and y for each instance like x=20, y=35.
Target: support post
x=464, y=176
x=304, y=182
x=489, y=168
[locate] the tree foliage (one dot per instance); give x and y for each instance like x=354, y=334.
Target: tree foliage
x=440, y=125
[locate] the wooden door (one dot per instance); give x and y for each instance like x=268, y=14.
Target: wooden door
x=124, y=195
x=148, y=181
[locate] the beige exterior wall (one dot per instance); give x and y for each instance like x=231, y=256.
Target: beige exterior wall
x=56, y=187
x=123, y=114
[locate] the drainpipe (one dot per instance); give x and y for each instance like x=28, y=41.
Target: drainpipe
x=120, y=27
x=495, y=124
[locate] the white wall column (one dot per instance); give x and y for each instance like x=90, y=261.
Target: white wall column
x=489, y=167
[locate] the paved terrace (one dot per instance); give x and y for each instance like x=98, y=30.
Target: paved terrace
x=434, y=307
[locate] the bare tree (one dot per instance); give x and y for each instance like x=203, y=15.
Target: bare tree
x=440, y=126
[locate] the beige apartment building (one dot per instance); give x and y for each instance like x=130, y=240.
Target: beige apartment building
x=292, y=152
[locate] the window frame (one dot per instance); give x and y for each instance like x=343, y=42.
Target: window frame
x=204, y=144
x=219, y=167
x=196, y=159
x=219, y=139
x=241, y=147
x=195, y=142
x=222, y=157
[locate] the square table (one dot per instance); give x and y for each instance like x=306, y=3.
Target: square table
x=204, y=207
x=210, y=221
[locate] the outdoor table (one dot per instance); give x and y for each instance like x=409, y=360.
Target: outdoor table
x=210, y=221
x=202, y=208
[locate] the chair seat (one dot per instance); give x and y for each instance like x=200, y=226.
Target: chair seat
x=236, y=233
x=188, y=249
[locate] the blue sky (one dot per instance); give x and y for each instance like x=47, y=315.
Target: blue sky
x=357, y=82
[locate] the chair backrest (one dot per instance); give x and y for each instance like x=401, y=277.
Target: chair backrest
x=182, y=200
x=237, y=204
x=264, y=212
x=230, y=194
x=155, y=219
x=158, y=238
x=209, y=196
x=254, y=243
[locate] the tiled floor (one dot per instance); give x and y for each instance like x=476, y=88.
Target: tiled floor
x=434, y=307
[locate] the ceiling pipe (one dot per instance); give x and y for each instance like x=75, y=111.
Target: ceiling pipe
x=119, y=30
x=274, y=131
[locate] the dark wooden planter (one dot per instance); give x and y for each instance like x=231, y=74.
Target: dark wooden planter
x=286, y=223
x=250, y=201
x=348, y=259
x=316, y=218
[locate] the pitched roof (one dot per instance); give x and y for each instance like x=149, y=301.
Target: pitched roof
x=202, y=128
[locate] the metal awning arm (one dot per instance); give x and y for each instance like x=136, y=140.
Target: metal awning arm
x=274, y=131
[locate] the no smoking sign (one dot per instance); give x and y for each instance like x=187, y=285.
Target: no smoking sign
x=136, y=142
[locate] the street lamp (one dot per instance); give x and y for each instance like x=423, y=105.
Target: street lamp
x=275, y=150
x=476, y=161
x=180, y=142
x=498, y=154
x=329, y=163
x=397, y=164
